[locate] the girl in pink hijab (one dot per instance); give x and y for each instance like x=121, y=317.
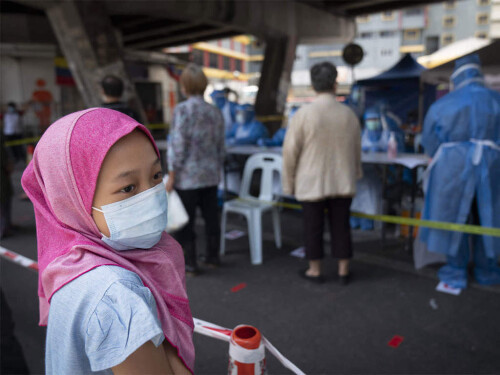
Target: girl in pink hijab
x=111, y=281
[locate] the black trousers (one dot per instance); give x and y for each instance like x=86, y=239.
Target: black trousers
x=206, y=200
x=340, y=230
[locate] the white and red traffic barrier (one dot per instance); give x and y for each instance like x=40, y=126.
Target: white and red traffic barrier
x=18, y=258
x=212, y=330
x=243, y=349
x=247, y=353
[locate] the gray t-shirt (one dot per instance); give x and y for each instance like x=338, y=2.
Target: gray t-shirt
x=97, y=320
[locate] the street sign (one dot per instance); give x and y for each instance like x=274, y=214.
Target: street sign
x=352, y=54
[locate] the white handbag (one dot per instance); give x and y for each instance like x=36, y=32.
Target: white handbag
x=177, y=216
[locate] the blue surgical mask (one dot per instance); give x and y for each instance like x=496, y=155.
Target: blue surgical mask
x=136, y=222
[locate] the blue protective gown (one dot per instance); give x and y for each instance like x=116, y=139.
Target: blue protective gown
x=275, y=141
x=227, y=108
x=248, y=130
x=278, y=137
x=376, y=139
x=465, y=168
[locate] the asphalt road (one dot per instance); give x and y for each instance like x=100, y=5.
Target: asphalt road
x=323, y=329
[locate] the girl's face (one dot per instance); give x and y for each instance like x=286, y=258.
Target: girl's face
x=130, y=167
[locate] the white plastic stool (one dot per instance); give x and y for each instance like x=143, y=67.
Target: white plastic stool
x=253, y=208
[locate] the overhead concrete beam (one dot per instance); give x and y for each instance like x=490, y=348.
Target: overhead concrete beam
x=77, y=49
x=159, y=31
x=169, y=40
x=91, y=48
x=260, y=18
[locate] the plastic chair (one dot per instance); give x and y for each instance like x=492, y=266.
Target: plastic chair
x=253, y=208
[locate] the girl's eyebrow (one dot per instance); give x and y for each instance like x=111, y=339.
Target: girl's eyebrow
x=132, y=171
x=126, y=174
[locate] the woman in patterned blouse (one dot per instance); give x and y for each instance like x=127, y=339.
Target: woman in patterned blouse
x=195, y=159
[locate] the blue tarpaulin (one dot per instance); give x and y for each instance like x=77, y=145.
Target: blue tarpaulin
x=406, y=70
x=398, y=88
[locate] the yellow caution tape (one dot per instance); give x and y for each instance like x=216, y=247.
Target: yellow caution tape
x=23, y=141
x=464, y=228
x=270, y=118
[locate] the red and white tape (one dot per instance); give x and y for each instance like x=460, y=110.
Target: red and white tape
x=222, y=333
x=18, y=258
x=200, y=326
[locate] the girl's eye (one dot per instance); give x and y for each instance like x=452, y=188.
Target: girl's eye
x=127, y=189
x=157, y=176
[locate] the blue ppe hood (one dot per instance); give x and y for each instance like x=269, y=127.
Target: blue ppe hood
x=467, y=69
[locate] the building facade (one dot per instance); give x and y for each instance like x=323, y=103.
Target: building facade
x=386, y=36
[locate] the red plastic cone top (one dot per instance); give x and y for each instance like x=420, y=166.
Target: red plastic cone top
x=246, y=352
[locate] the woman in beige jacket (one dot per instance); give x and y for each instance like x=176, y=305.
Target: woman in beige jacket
x=321, y=163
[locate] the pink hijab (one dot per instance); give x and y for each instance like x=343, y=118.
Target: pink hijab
x=60, y=181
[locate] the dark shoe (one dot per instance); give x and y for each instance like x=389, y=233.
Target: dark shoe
x=211, y=257
x=344, y=280
x=315, y=279
x=210, y=262
x=192, y=270
x=191, y=267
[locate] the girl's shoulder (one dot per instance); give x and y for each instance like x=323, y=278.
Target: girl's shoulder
x=94, y=283
x=100, y=284
x=107, y=312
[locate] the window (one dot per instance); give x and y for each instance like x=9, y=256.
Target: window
x=449, y=21
x=366, y=35
x=431, y=44
x=197, y=57
x=225, y=63
x=387, y=34
x=239, y=65
x=213, y=60
x=447, y=39
x=412, y=34
x=483, y=2
x=482, y=18
x=413, y=12
x=388, y=15
x=362, y=19
x=449, y=4
x=481, y=34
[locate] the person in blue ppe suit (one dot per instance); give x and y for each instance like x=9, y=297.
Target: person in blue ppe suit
x=462, y=134
x=378, y=124
x=374, y=137
x=279, y=136
x=393, y=123
x=246, y=130
x=228, y=108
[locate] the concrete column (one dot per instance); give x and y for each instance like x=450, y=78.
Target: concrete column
x=92, y=48
x=275, y=78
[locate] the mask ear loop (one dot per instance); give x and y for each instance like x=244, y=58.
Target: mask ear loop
x=97, y=209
